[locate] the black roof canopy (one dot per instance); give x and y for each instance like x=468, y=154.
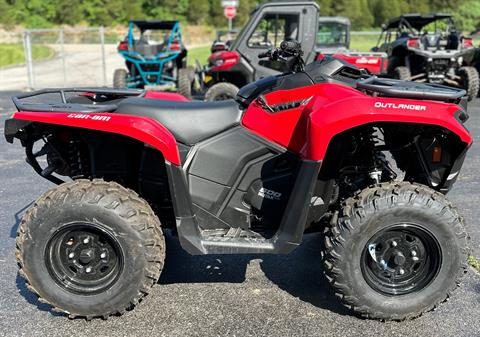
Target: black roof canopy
x=144, y=25
x=415, y=20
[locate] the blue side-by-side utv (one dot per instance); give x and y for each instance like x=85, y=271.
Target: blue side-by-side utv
x=154, y=53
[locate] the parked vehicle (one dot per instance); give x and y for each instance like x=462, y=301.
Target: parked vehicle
x=154, y=55
x=429, y=48
x=294, y=152
x=333, y=39
x=270, y=23
x=224, y=39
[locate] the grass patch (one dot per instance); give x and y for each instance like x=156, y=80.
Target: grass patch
x=199, y=53
x=363, y=42
x=474, y=263
x=12, y=54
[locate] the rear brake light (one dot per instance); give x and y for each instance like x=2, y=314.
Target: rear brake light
x=175, y=46
x=413, y=43
x=123, y=46
x=467, y=42
x=437, y=154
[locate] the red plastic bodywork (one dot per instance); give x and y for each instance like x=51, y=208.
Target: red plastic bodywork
x=334, y=108
x=141, y=128
x=168, y=96
x=328, y=110
x=229, y=58
x=374, y=64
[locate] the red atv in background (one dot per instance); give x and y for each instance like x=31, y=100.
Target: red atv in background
x=333, y=39
x=269, y=25
x=323, y=147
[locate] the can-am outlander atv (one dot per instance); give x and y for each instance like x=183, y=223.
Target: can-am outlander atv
x=429, y=48
x=324, y=146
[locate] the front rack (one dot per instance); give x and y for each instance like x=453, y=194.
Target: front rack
x=86, y=100
x=406, y=89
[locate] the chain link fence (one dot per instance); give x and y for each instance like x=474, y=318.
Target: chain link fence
x=79, y=57
x=74, y=57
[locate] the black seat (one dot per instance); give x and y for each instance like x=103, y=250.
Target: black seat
x=189, y=122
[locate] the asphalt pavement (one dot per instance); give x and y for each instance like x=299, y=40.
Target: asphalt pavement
x=241, y=296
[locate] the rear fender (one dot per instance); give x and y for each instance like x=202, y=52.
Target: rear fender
x=168, y=96
x=330, y=120
x=142, y=129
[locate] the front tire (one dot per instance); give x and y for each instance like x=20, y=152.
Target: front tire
x=469, y=81
x=396, y=251
x=90, y=248
x=402, y=73
x=221, y=91
x=185, y=80
x=120, y=78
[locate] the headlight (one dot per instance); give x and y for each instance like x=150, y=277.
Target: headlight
x=218, y=62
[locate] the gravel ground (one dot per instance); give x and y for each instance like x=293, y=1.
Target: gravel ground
x=83, y=64
x=227, y=295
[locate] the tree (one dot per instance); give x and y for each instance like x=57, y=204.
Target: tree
x=382, y=11
x=198, y=11
x=325, y=7
x=6, y=18
x=468, y=15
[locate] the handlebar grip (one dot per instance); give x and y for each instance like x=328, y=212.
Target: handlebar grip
x=290, y=45
x=263, y=55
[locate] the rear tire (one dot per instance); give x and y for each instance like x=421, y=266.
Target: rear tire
x=221, y=91
x=184, y=81
x=90, y=248
x=396, y=251
x=469, y=81
x=402, y=73
x=120, y=78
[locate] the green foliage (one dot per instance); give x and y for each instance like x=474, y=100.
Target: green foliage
x=468, y=15
x=11, y=54
x=475, y=263
x=363, y=14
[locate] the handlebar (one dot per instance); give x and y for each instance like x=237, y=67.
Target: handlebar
x=288, y=48
x=265, y=54
x=289, y=52
x=291, y=46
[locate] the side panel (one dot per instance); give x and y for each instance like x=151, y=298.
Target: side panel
x=139, y=128
x=287, y=127
x=236, y=179
x=375, y=64
x=334, y=108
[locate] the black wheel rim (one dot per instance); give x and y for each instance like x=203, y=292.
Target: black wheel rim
x=84, y=258
x=401, y=259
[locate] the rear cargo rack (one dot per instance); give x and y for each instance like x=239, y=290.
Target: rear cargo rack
x=406, y=89
x=82, y=100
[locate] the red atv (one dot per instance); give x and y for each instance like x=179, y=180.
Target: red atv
x=322, y=147
x=333, y=39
